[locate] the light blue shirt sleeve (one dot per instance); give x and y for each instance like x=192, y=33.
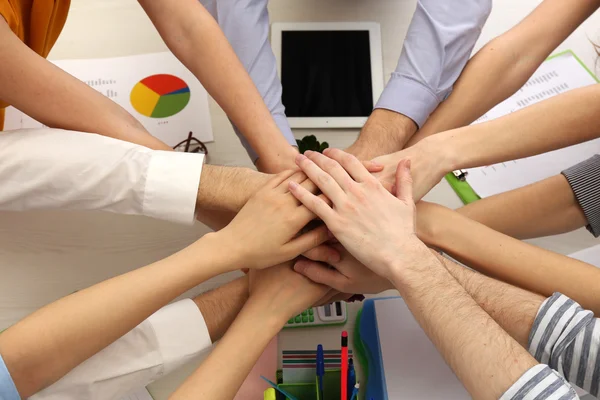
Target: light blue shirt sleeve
x=439, y=42
x=245, y=23
x=8, y=390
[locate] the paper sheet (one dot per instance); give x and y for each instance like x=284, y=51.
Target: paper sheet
x=414, y=369
x=591, y=255
x=140, y=394
x=555, y=76
x=155, y=88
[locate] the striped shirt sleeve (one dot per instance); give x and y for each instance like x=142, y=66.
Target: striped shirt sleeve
x=540, y=383
x=567, y=338
x=584, y=179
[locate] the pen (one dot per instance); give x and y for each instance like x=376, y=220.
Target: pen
x=320, y=370
x=344, y=377
x=355, y=392
x=351, y=377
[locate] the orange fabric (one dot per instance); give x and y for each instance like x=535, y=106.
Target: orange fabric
x=37, y=23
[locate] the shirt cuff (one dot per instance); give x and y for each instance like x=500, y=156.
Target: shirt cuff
x=584, y=179
x=8, y=390
x=181, y=333
x=408, y=97
x=557, y=324
x=540, y=380
x=172, y=186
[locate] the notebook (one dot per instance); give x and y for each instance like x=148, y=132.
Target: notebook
x=403, y=364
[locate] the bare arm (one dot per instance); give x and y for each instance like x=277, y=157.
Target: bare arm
x=195, y=38
x=219, y=307
x=510, y=260
x=501, y=67
x=78, y=326
x=276, y=294
x=55, y=98
x=561, y=121
x=548, y=207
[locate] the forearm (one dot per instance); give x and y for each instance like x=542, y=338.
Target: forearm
x=241, y=346
x=219, y=307
x=58, y=100
x=385, y=132
x=227, y=188
x=558, y=122
x=510, y=260
x=484, y=357
x=501, y=67
x=548, y=207
x=195, y=38
x=78, y=326
x=513, y=308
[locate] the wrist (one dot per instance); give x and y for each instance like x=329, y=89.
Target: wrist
x=275, y=316
x=385, y=132
x=222, y=251
x=443, y=149
x=411, y=267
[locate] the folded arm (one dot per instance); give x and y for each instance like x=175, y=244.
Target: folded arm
x=501, y=67
x=423, y=77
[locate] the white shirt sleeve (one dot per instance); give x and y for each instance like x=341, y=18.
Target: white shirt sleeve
x=57, y=169
x=172, y=336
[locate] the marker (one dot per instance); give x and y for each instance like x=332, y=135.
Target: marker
x=283, y=392
x=344, y=377
x=351, y=377
x=320, y=370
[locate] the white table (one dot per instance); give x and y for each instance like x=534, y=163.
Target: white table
x=47, y=255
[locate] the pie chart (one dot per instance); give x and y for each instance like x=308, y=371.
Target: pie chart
x=160, y=96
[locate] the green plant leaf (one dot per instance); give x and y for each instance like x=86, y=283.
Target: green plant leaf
x=323, y=146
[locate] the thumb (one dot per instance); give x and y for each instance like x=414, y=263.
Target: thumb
x=372, y=166
x=404, y=182
x=320, y=273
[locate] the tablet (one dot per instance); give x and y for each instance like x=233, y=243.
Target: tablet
x=331, y=72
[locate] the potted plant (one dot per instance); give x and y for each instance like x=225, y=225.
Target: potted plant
x=310, y=142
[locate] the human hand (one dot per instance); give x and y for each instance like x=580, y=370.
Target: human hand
x=264, y=232
x=429, y=164
x=348, y=276
x=376, y=227
x=283, y=292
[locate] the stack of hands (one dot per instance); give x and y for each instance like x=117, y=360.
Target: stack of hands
x=369, y=232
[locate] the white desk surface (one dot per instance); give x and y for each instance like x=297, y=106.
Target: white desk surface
x=47, y=255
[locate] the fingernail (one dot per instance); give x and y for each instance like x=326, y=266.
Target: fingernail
x=300, y=157
x=299, y=266
x=394, y=188
x=326, y=150
x=376, y=164
x=407, y=165
x=293, y=185
x=308, y=153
